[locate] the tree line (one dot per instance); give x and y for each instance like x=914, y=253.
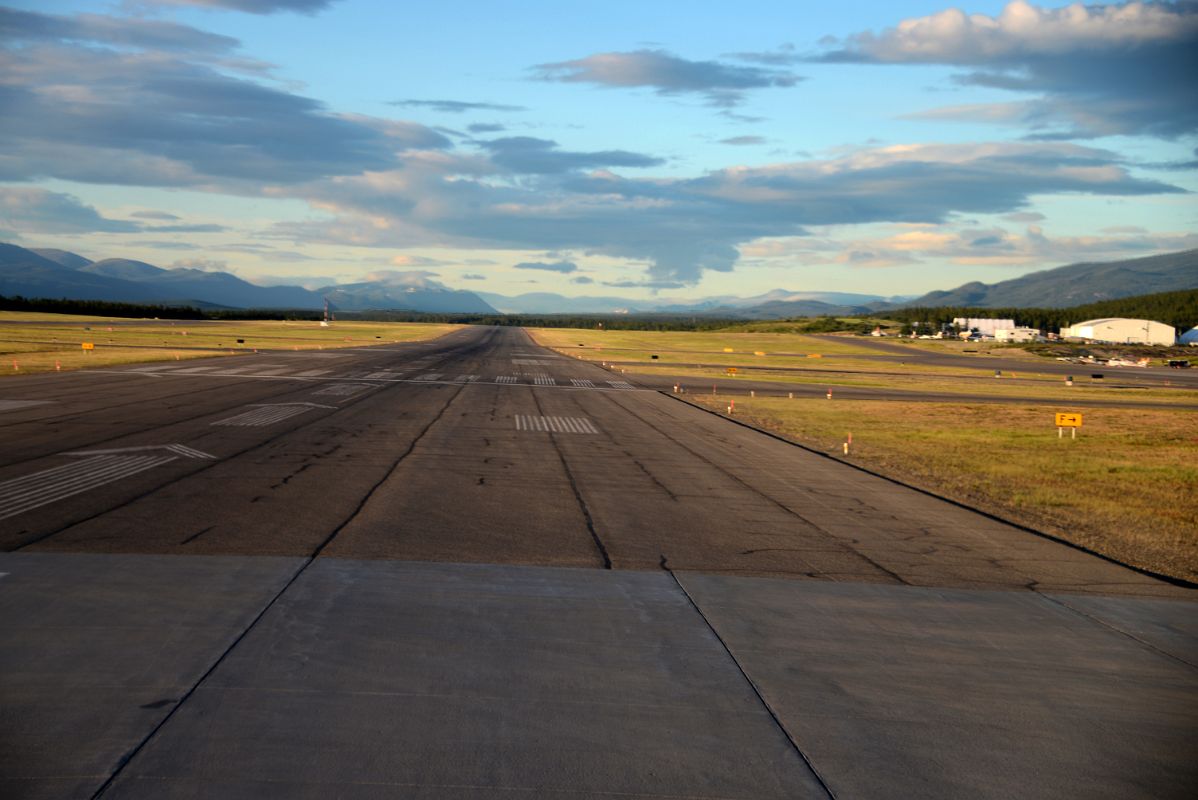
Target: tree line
x=1179, y=309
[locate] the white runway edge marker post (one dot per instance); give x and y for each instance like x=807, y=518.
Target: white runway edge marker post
x=99, y=467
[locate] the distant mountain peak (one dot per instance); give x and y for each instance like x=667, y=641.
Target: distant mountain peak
x=62, y=257
x=1076, y=284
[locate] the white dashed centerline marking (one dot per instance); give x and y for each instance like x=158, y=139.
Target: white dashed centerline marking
x=555, y=424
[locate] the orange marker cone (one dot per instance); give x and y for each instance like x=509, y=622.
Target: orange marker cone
x=57, y=366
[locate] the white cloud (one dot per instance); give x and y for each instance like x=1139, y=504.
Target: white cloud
x=1125, y=68
x=722, y=85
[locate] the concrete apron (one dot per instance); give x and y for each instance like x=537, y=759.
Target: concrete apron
x=225, y=676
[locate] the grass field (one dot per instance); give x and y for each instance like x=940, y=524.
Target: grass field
x=637, y=344
x=835, y=361
x=45, y=342
x=1127, y=487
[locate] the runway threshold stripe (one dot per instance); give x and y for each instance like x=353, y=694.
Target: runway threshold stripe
x=86, y=475
x=528, y=422
x=94, y=477
x=17, y=484
x=184, y=450
x=260, y=417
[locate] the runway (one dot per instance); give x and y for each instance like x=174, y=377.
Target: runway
x=471, y=566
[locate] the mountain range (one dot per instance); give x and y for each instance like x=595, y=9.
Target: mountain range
x=1076, y=284
x=53, y=273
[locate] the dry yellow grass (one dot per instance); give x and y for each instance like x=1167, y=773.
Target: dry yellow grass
x=839, y=363
x=1127, y=487
x=45, y=342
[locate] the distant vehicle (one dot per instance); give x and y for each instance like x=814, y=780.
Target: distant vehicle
x=1126, y=362
x=1179, y=363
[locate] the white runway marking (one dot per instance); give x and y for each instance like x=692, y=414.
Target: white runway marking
x=384, y=375
x=52, y=485
x=264, y=415
x=153, y=368
x=343, y=389
x=177, y=449
x=12, y=405
x=544, y=380
x=582, y=384
x=555, y=424
x=506, y=379
x=528, y=362
x=312, y=373
x=620, y=385
x=467, y=378
x=432, y=376
x=310, y=354
x=191, y=370
x=274, y=371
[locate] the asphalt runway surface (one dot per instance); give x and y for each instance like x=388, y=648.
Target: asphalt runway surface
x=473, y=568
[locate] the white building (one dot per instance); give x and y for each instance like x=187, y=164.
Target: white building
x=1122, y=331
x=1016, y=334
x=986, y=327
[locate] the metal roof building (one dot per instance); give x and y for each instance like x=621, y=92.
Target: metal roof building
x=1122, y=331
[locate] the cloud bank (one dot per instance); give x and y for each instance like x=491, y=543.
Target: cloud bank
x=684, y=227
x=1125, y=68
x=75, y=108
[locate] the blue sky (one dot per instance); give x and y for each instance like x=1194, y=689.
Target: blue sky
x=615, y=148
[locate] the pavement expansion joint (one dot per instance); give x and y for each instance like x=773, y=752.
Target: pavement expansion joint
x=752, y=684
